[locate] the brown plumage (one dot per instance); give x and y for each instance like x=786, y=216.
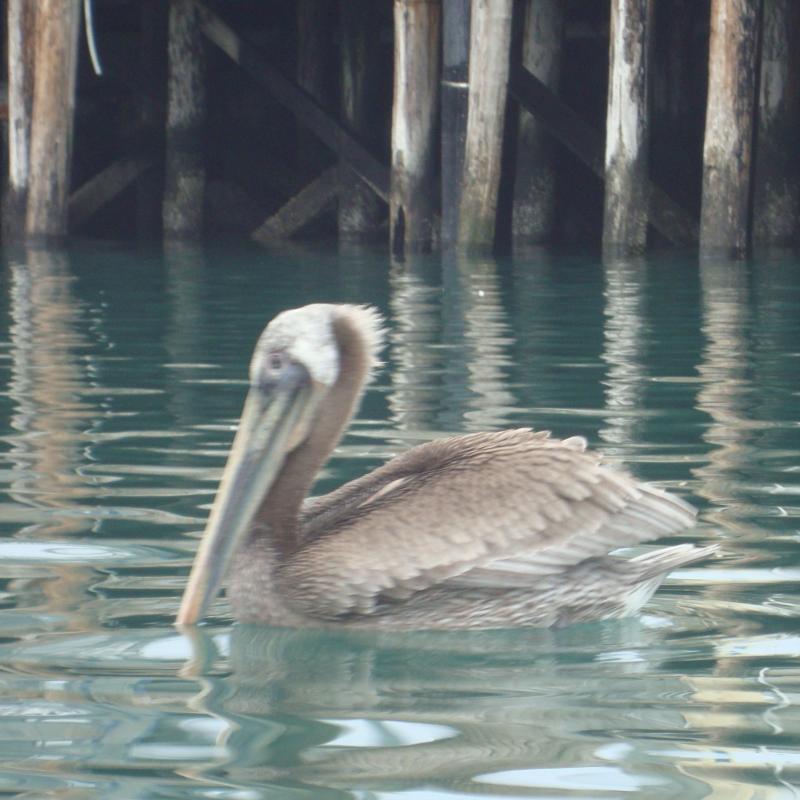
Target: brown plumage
x=510, y=528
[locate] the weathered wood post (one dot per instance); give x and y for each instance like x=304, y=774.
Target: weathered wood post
x=184, y=173
x=359, y=208
x=625, y=215
x=490, y=43
x=55, y=54
x=416, y=82
x=728, y=144
x=533, y=216
x=776, y=195
x=20, y=20
x=455, y=98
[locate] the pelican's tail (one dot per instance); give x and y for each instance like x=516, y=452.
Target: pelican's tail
x=658, y=563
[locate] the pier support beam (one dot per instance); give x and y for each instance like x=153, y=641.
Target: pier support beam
x=490, y=43
x=301, y=209
x=626, y=208
x=586, y=143
x=455, y=99
x=359, y=209
x=533, y=217
x=416, y=80
x=184, y=179
x=776, y=196
x=105, y=186
x=55, y=54
x=728, y=144
x=305, y=109
x=20, y=20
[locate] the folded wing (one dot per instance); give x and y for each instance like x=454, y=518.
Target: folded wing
x=472, y=510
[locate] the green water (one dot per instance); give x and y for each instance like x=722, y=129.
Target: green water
x=123, y=376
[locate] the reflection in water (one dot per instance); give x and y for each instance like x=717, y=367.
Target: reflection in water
x=610, y=709
x=758, y=706
x=726, y=395
x=51, y=377
x=556, y=321
x=120, y=408
x=476, y=331
x=725, y=388
x=185, y=263
x=449, y=348
x=473, y=713
x=531, y=305
x=624, y=335
x=414, y=349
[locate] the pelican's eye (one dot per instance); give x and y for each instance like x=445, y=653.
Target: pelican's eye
x=271, y=369
x=278, y=369
x=276, y=362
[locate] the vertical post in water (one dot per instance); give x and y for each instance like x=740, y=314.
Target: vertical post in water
x=533, y=217
x=184, y=172
x=455, y=98
x=728, y=143
x=490, y=44
x=416, y=79
x=359, y=208
x=55, y=58
x=20, y=20
x=776, y=195
x=626, y=189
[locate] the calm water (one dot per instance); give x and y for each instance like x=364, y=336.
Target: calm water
x=123, y=376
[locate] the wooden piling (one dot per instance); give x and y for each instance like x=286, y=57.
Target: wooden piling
x=20, y=20
x=533, y=216
x=455, y=99
x=416, y=79
x=727, y=148
x=359, y=211
x=776, y=194
x=55, y=54
x=625, y=211
x=490, y=42
x=184, y=173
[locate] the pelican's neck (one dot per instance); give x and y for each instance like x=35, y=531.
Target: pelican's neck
x=278, y=517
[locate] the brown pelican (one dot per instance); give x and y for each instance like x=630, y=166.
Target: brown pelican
x=485, y=530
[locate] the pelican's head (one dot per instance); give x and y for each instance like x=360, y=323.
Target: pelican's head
x=297, y=361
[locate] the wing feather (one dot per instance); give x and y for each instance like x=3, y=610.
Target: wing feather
x=467, y=503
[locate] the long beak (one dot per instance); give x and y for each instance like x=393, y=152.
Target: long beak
x=269, y=420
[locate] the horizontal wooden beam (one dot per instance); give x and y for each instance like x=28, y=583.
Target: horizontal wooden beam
x=302, y=208
x=105, y=186
x=305, y=109
x=580, y=138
